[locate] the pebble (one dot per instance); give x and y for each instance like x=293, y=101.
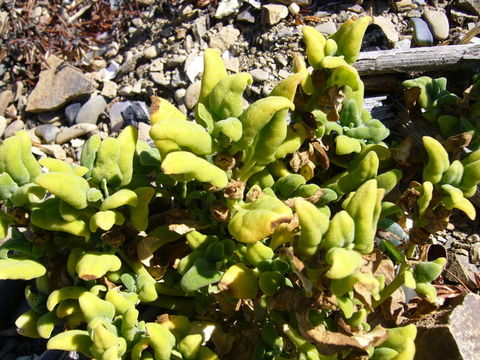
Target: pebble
x=273, y=13
x=388, y=27
x=180, y=95
x=97, y=65
x=403, y=5
x=109, y=89
x=226, y=7
x=438, y=23
x=13, y=128
x=127, y=89
x=144, y=132
x=56, y=87
x=475, y=254
x=71, y=112
x=193, y=66
x=327, y=28
x=73, y=132
x=6, y=97
x=3, y=125
x=259, y=75
x=150, y=52
x=91, y=110
x=47, y=132
x=421, y=33
x=472, y=6
x=146, y=2
x=157, y=77
x=175, y=60
x=404, y=44
x=225, y=38
x=232, y=64
x=246, y=16
x=156, y=65
x=136, y=111
x=414, y=14
x=192, y=94
x=294, y=8
x=115, y=115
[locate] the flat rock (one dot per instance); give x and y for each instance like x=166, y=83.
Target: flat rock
x=109, y=89
x=225, y=38
x=56, y=87
x=421, y=33
x=451, y=333
x=3, y=125
x=273, y=13
x=115, y=114
x=144, y=132
x=259, y=75
x=73, y=132
x=91, y=110
x=136, y=112
x=246, y=16
x=13, y=128
x=47, y=132
x=388, y=27
x=460, y=270
x=438, y=23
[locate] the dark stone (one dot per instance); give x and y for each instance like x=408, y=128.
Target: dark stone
x=421, y=32
x=71, y=112
x=136, y=112
x=375, y=39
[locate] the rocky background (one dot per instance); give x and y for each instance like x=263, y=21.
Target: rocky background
x=72, y=68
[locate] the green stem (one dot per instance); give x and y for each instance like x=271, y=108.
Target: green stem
x=397, y=281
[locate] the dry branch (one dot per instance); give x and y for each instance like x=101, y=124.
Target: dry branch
x=419, y=59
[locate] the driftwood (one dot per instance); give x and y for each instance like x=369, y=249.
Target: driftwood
x=419, y=59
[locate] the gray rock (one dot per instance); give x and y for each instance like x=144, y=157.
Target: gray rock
x=115, y=114
x=327, y=28
x=199, y=28
x=472, y=6
x=71, y=112
x=414, y=14
x=13, y=128
x=91, y=110
x=421, y=33
x=6, y=97
x=273, y=13
x=158, y=78
x=56, y=87
x=475, y=254
x=232, y=64
x=73, y=132
x=259, y=75
x=144, y=132
x=192, y=94
x=3, y=125
x=226, y=7
x=180, y=95
x=156, y=65
x=404, y=44
x=175, y=60
x=47, y=132
x=438, y=23
x=403, y=5
x=460, y=270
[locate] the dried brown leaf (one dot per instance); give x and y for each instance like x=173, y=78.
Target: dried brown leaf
x=224, y=161
x=234, y=189
x=288, y=299
x=411, y=96
x=219, y=211
x=456, y=143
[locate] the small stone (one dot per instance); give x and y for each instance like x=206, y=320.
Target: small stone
x=56, y=87
x=180, y=95
x=71, y=112
x=97, y=65
x=226, y=7
x=157, y=77
x=127, y=89
x=460, y=270
x=356, y=9
x=146, y=2
x=421, y=33
x=73, y=132
x=388, y=27
x=284, y=74
x=420, y=2
x=156, y=65
x=192, y=94
x=136, y=112
x=403, y=5
x=11, y=112
x=246, y=16
x=472, y=6
x=193, y=66
x=273, y=13
x=47, y=132
x=327, y=28
x=232, y=64
x=199, y=28
x=225, y=38
x=438, y=23
x=49, y=117
x=294, y=8
x=475, y=254
x=404, y=44
x=175, y=60
x=150, y=52
x=91, y=110
x=414, y=14
x=109, y=89
x=3, y=125
x=259, y=75
x=144, y=132
x=13, y=128
x=54, y=149
x=115, y=115
x=6, y=97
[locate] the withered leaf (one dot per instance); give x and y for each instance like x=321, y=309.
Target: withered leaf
x=329, y=342
x=146, y=247
x=401, y=153
x=219, y=211
x=411, y=96
x=297, y=266
x=456, y=143
x=288, y=299
x=224, y=161
x=234, y=189
x=320, y=153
